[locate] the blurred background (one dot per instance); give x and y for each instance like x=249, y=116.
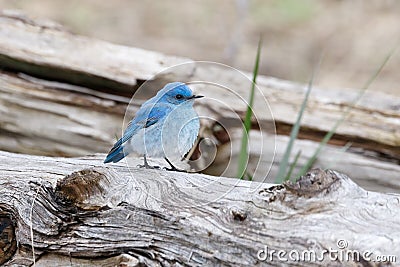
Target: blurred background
x=356, y=35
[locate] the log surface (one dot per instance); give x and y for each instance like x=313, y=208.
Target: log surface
x=87, y=214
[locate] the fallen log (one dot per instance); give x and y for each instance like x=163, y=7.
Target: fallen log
x=77, y=211
x=46, y=49
x=120, y=70
x=57, y=119
x=369, y=173
x=66, y=95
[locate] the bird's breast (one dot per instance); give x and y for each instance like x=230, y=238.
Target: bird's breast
x=179, y=132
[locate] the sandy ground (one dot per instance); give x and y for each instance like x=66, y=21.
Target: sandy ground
x=354, y=35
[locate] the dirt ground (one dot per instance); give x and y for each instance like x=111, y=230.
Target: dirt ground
x=354, y=35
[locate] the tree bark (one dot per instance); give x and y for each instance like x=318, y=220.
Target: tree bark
x=81, y=212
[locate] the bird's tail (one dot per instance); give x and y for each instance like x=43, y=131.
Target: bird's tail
x=116, y=154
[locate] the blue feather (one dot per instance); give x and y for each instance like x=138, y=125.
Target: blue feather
x=116, y=155
x=148, y=117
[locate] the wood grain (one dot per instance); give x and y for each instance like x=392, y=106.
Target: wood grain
x=118, y=215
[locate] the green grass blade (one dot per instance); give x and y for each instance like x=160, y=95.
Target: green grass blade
x=243, y=155
x=342, y=149
x=294, y=164
x=293, y=135
x=249, y=176
x=329, y=135
x=346, y=147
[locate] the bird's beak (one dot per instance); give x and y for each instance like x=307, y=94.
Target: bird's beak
x=196, y=96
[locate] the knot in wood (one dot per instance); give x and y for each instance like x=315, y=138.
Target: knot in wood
x=8, y=243
x=79, y=186
x=272, y=193
x=238, y=214
x=313, y=183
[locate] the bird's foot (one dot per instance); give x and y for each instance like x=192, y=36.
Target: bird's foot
x=147, y=166
x=174, y=169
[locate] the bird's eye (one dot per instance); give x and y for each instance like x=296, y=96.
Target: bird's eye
x=179, y=96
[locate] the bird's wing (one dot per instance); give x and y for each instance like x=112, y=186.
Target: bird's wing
x=145, y=117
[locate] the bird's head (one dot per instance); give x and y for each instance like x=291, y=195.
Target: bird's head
x=177, y=93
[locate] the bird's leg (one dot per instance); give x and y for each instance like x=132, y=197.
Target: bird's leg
x=173, y=168
x=146, y=164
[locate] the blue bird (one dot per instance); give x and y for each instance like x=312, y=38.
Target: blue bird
x=165, y=126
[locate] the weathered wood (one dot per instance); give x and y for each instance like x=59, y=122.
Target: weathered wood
x=51, y=118
x=369, y=173
x=373, y=123
x=27, y=44
x=43, y=115
x=84, y=213
x=65, y=120
x=45, y=49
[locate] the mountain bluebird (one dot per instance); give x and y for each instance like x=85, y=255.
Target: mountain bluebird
x=164, y=126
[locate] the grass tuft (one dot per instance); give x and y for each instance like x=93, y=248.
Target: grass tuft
x=243, y=154
x=329, y=135
x=281, y=177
